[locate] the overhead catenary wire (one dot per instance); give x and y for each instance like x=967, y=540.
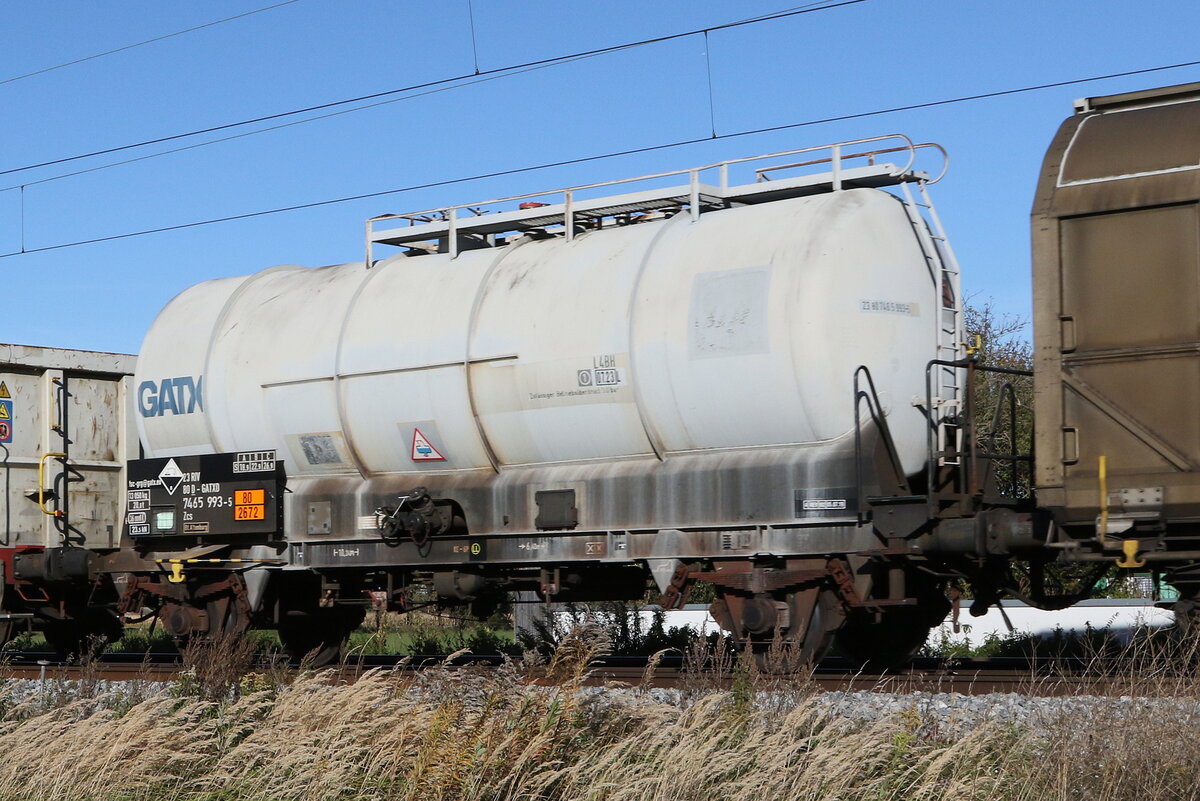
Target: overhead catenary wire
x=480, y=79
x=790, y=12
x=476, y=79
x=603, y=156
x=152, y=40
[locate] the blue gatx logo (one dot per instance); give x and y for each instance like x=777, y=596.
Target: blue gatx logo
x=182, y=395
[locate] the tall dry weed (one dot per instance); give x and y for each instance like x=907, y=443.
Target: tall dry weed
x=475, y=734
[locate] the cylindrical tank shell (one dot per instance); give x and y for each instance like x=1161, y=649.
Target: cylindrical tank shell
x=402, y=362
x=752, y=322
x=739, y=329
x=179, y=350
x=563, y=308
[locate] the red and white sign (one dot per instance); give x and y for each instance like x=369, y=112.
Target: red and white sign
x=423, y=450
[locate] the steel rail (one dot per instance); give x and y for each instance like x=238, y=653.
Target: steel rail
x=1041, y=677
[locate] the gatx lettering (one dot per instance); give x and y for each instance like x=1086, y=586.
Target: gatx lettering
x=182, y=395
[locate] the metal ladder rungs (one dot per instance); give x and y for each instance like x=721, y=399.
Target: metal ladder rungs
x=946, y=386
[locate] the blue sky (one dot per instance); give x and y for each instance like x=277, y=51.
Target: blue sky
x=871, y=55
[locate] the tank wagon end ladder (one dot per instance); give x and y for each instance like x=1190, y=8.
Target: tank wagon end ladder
x=946, y=382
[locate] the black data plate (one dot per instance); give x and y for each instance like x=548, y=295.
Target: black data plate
x=216, y=494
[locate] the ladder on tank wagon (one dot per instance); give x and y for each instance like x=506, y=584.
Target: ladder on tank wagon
x=947, y=382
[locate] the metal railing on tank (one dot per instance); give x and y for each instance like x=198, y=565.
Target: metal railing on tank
x=836, y=158
x=573, y=210
x=864, y=392
x=964, y=462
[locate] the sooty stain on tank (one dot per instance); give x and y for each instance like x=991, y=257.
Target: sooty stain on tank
x=520, y=276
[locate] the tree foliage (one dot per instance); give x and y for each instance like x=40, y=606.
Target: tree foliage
x=1003, y=403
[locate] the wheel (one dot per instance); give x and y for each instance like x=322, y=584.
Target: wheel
x=1181, y=641
x=319, y=638
x=891, y=638
x=105, y=623
x=208, y=613
x=227, y=618
x=890, y=642
x=7, y=627
x=815, y=617
x=85, y=636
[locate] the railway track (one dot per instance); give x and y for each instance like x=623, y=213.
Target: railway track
x=966, y=676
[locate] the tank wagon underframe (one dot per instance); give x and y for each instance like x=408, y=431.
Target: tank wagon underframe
x=591, y=547
x=774, y=502
x=800, y=484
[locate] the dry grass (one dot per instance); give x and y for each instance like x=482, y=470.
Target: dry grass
x=474, y=734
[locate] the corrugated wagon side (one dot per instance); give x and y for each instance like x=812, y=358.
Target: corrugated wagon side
x=66, y=435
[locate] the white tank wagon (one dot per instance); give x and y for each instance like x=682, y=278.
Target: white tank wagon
x=559, y=391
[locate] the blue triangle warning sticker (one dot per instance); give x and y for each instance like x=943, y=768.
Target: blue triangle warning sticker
x=423, y=450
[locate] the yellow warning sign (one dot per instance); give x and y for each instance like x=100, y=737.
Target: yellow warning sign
x=4, y=390
x=4, y=414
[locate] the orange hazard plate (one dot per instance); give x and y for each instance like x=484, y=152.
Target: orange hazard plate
x=249, y=497
x=249, y=512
